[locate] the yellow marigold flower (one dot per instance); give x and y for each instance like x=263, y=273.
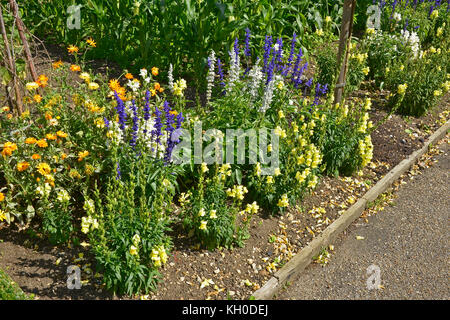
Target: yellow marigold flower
x=44, y=169
x=72, y=49
x=61, y=134
x=32, y=86
x=2, y=215
x=93, y=86
x=155, y=71
x=22, y=166
x=85, y=76
x=82, y=155
x=35, y=156
x=51, y=136
x=91, y=42
x=30, y=140
x=57, y=64
x=42, y=143
x=37, y=98
x=75, y=68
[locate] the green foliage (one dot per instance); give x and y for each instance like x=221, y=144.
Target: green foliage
x=9, y=290
x=127, y=232
x=347, y=146
x=212, y=213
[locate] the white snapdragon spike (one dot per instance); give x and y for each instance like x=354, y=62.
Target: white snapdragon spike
x=144, y=75
x=210, y=77
x=413, y=40
x=234, y=69
x=170, y=77
x=145, y=132
x=268, y=95
x=256, y=75
x=115, y=133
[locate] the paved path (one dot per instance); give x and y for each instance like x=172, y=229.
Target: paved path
x=409, y=242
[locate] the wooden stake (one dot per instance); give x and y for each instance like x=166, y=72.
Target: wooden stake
x=11, y=63
x=344, y=44
x=20, y=28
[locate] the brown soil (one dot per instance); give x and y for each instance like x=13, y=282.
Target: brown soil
x=40, y=268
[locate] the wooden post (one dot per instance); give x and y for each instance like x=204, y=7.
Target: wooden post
x=344, y=43
x=15, y=11
x=11, y=63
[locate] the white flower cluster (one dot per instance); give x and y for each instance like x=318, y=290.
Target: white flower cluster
x=234, y=68
x=170, y=77
x=256, y=75
x=210, y=77
x=413, y=40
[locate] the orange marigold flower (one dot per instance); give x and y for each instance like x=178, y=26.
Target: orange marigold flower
x=75, y=68
x=82, y=155
x=22, y=166
x=9, y=116
x=61, y=134
x=51, y=136
x=35, y=156
x=63, y=156
x=8, y=148
x=30, y=140
x=114, y=84
x=48, y=116
x=129, y=76
x=42, y=80
x=155, y=71
x=42, y=143
x=57, y=64
x=2, y=197
x=157, y=86
x=91, y=42
x=161, y=90
x=72, y=49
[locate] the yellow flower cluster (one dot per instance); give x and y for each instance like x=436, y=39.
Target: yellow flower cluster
x=179, y=86
x=88, y=223
x=159, y=256
x=224, y=171
x=366, y=150
x=237, y=192
x=283, y=202
x=250, y=209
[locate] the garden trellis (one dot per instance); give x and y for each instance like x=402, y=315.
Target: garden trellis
x=9, y=52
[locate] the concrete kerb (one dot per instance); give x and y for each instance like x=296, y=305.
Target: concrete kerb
x=301, y=260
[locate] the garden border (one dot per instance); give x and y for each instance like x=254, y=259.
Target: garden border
x=292, y=269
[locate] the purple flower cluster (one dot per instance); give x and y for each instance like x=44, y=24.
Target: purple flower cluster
x=120, y=108
x=320, y=92
x=247, y=52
